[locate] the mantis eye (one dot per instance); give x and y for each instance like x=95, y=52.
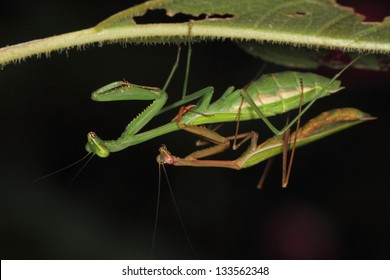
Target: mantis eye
x=95, y=145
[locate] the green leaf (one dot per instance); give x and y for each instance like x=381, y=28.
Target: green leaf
x=311, y=23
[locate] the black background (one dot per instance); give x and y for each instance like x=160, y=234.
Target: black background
x=336, y=205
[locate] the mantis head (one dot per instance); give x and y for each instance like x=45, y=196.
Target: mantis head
x=165, y=156
x=96, y=146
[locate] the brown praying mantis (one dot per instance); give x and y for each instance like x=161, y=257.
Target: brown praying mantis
x=325, y=124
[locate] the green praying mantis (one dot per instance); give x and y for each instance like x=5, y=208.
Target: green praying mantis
x=270, y=95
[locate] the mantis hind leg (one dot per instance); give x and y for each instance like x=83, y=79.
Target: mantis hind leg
x=286, y=171
x=286, y=167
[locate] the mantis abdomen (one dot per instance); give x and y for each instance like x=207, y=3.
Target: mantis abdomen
x=273, y=94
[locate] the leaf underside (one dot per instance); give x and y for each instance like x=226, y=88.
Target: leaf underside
x=316, y=23
x=311, y=23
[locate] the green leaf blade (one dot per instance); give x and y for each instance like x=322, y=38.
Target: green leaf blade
x=310, y=23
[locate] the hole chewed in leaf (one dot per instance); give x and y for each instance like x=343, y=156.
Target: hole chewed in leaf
x=373, y=11
x=162, y=16
x=296, y=14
